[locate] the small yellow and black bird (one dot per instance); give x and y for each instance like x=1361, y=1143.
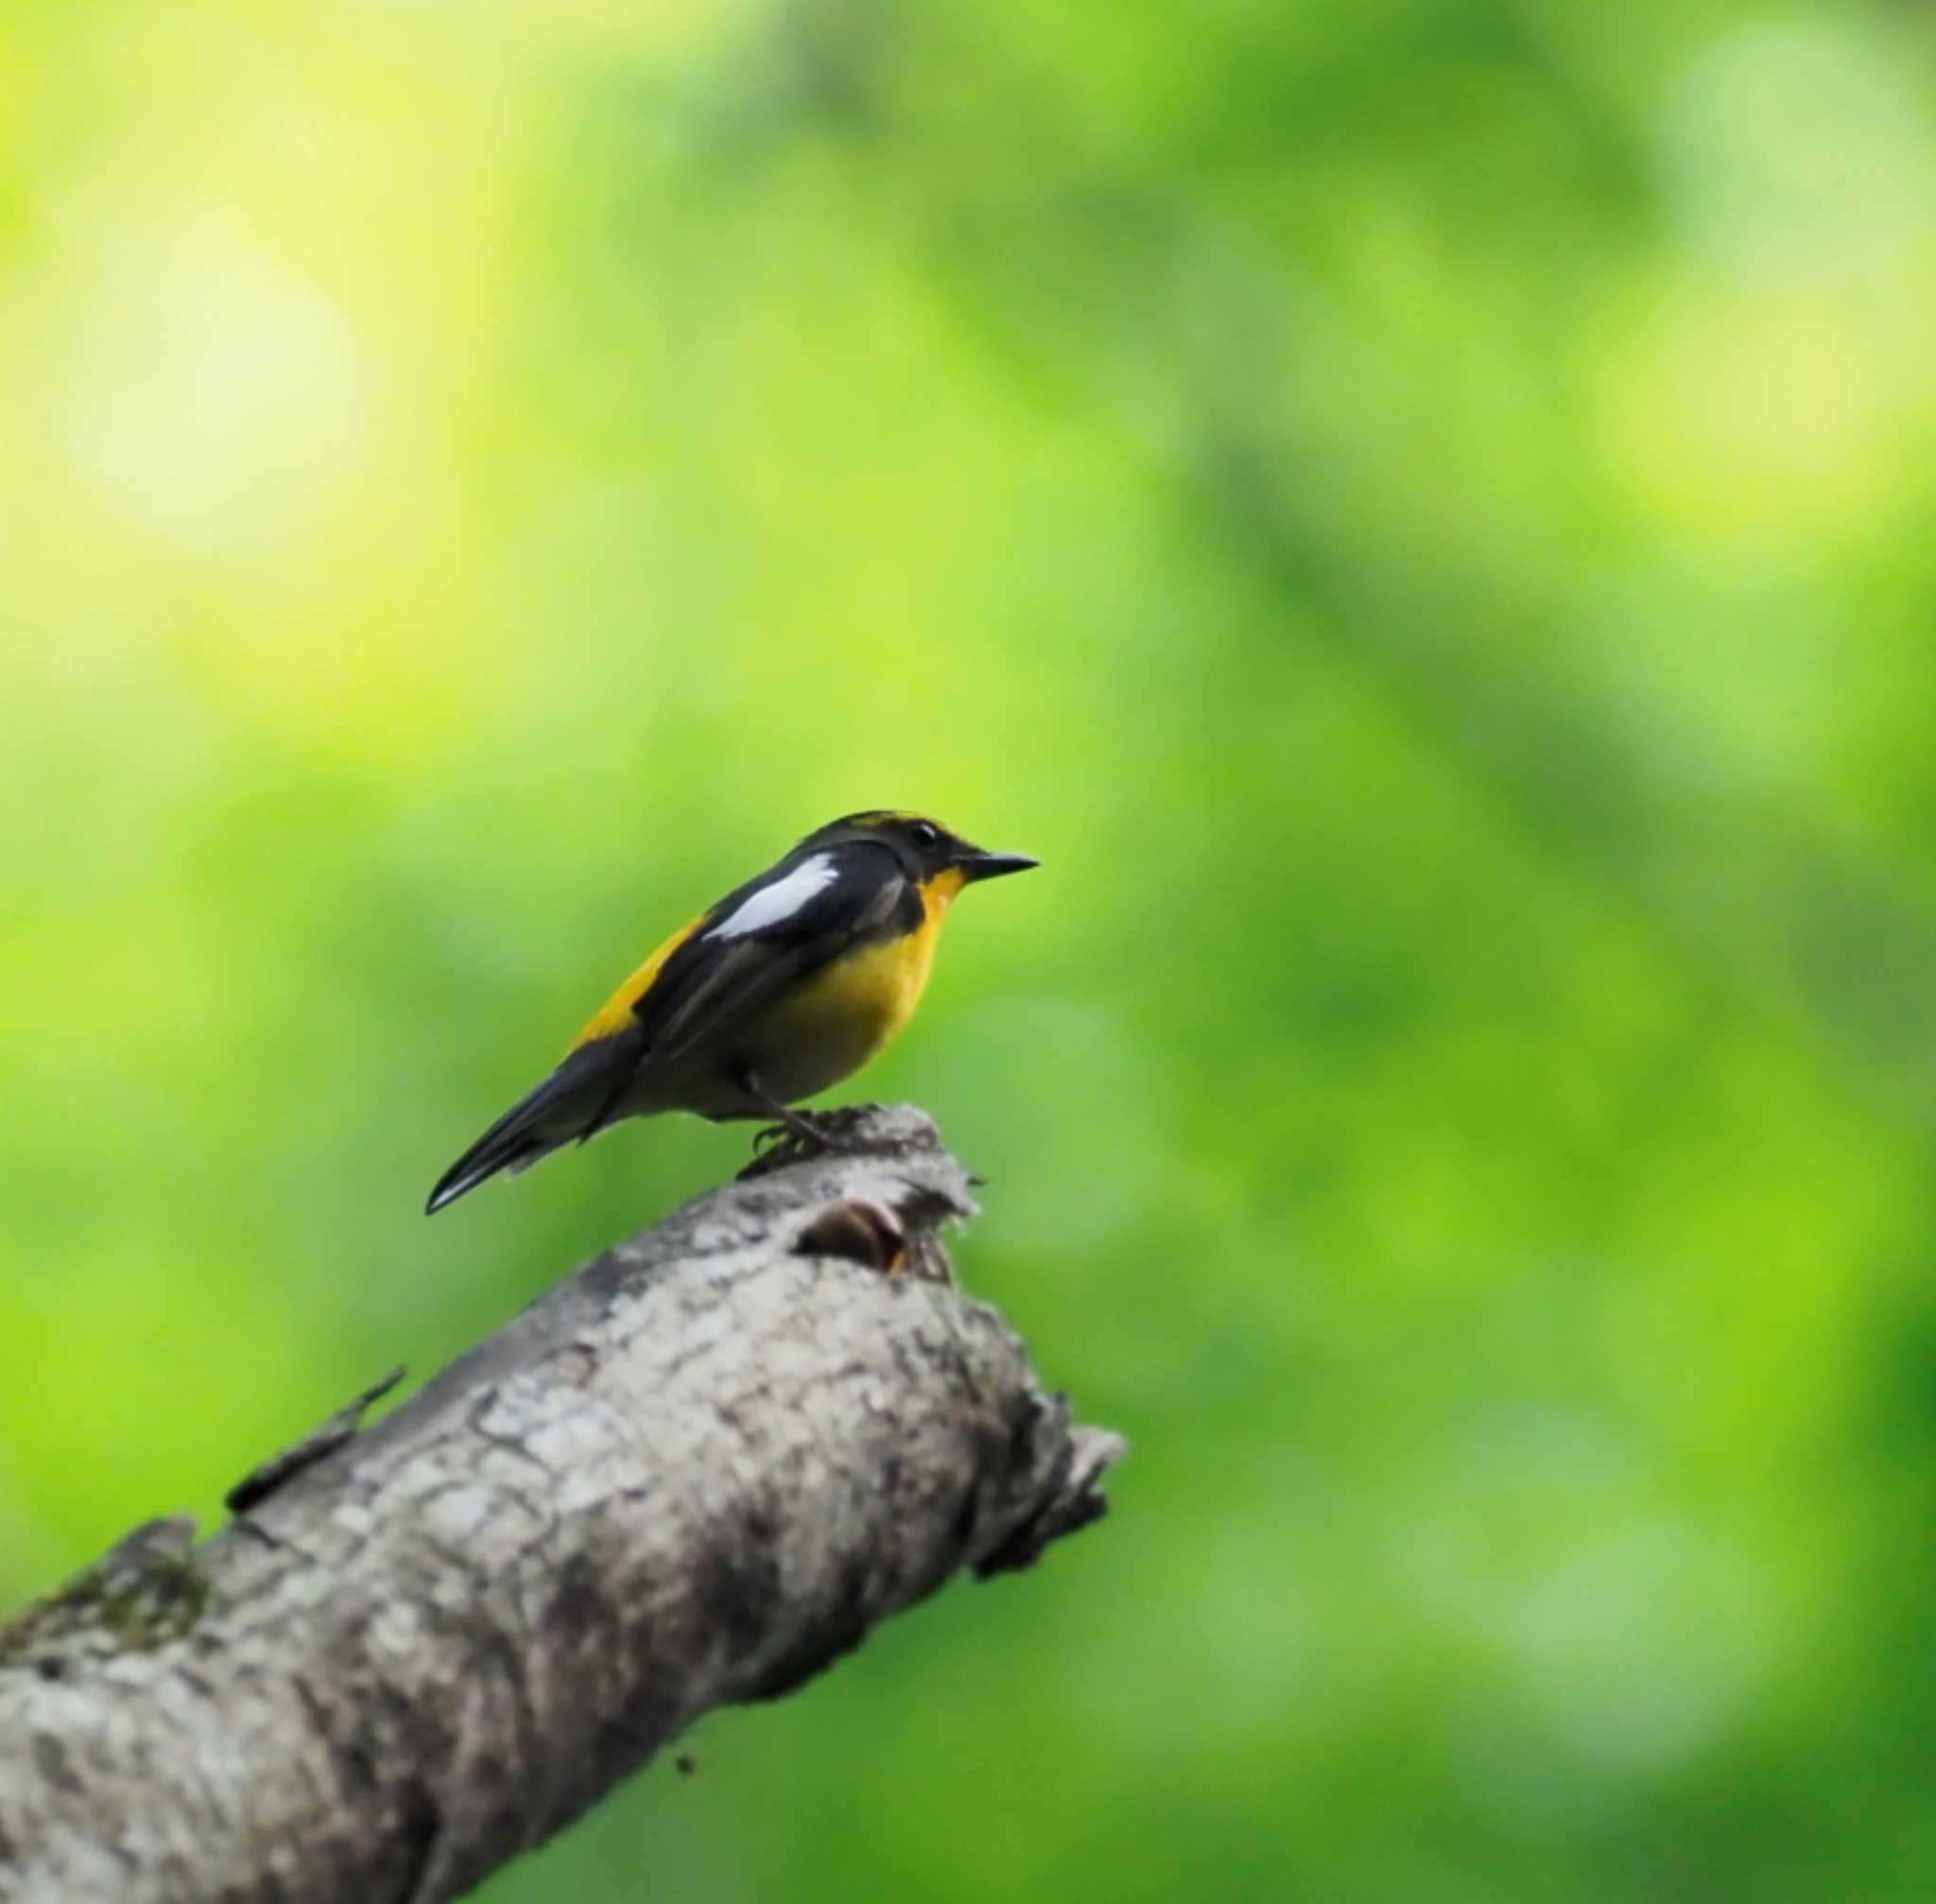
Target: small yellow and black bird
x=791, y=983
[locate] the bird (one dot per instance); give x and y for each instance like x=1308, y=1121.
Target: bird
x=789, y=984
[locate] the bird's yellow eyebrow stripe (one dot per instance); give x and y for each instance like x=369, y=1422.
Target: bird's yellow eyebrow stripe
x=616, y=1013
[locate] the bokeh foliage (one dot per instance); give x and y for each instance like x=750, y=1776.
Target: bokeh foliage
x=1419, y=513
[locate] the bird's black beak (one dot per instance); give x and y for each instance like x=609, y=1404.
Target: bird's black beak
x=976, y=864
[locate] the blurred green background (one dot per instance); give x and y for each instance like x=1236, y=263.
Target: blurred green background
x=1422, y=513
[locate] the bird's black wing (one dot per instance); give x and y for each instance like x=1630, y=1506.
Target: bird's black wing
x=773, y=933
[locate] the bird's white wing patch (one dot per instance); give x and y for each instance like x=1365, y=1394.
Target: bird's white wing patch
x=781, y=900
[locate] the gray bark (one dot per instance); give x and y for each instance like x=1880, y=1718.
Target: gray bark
x=693, y=1474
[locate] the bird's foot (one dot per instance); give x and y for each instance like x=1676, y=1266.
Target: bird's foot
x=799, y=1138
x=786, y=1144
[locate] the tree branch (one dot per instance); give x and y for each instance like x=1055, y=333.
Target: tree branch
x=694, y=1474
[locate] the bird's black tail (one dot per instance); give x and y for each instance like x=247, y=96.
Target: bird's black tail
x=573, y=1102
x=479, y=1164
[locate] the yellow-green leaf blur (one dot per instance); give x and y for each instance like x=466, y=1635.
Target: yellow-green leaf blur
x=1420, y=514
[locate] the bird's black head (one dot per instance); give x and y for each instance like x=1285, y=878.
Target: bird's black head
x=923, y=846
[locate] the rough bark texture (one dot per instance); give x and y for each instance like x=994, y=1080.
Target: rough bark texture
x=693, y=1474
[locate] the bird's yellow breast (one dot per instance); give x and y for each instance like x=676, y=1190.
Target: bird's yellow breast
x=874, y=989
x=853, y=1008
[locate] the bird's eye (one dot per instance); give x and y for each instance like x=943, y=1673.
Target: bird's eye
x=925, y=834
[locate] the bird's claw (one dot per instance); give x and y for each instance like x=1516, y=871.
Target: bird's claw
x=840, y=1132
x=791, y=1142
